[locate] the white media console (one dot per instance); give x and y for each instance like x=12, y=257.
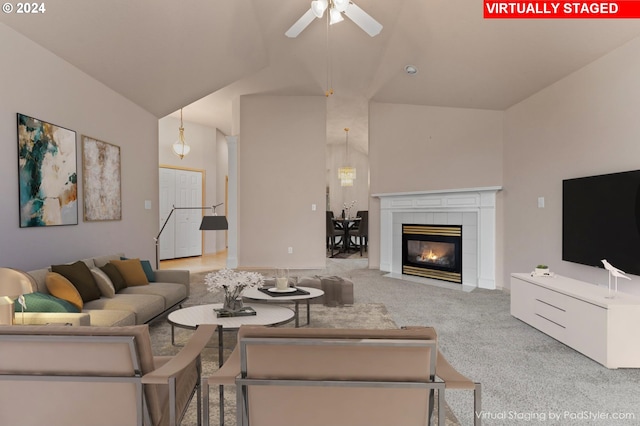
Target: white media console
x=581, y=316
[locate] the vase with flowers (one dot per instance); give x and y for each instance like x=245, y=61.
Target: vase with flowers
x=347, y=208
x=232, y=283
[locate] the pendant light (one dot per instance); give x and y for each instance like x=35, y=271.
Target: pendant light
x=347, y=174
x=180, y=147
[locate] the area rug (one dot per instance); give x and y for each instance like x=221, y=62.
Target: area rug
x=365, y=315
x=350, y=255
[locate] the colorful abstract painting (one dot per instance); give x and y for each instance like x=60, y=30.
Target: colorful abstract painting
x=47, y=174
x=101, y=180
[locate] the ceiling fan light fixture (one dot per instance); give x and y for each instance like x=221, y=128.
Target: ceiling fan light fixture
x=335, y=16
x=411, y=70
x=336, y=8
x=341, y=5
x=318, y=7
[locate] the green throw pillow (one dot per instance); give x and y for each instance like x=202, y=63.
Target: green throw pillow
x=41, y=302
x=148, y=270
x=82, y=279
x=115, y=276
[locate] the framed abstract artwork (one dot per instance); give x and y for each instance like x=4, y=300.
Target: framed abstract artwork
x=101, y=180
x=47, y=174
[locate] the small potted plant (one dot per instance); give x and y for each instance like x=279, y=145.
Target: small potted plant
x=542, y=270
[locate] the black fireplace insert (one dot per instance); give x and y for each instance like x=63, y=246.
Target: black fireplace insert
x=432, y=251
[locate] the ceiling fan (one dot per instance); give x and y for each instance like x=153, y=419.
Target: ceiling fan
x=336, y=9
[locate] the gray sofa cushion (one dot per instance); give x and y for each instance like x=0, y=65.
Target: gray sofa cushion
x=170, y=292
x=110, y=317
x=145, y=306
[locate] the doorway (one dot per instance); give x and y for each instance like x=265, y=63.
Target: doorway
x=181, y=236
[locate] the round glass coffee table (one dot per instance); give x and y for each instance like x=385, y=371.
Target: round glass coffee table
x=280, y=297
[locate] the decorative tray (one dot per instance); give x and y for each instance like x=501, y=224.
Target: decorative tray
x=244, y=312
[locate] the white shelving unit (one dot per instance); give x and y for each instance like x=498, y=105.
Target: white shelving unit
x=581, y=316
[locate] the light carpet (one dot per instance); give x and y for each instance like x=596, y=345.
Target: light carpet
x=361, y=315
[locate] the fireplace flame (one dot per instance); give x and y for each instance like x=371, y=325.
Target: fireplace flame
x=428, y=256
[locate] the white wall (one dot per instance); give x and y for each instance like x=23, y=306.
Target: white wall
x=281, y=174
x=419, y=148
x=222, y=172
x=35, y=82
x=585, y=124
x=206, y=155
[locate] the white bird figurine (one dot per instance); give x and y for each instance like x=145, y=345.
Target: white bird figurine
x=617, y=273
x=610, y=267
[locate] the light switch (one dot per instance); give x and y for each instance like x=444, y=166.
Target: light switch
x=147, y=204
x=313, y=207
x=541, y=202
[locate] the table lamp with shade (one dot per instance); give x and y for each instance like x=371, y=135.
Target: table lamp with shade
x=11, y=288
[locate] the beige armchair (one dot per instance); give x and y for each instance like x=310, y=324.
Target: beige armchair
x=57, y=375
x=332, y=376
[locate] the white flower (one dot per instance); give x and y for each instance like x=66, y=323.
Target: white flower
x=230, y=280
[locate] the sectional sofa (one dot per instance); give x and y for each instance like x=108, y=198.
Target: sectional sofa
x=111, y=306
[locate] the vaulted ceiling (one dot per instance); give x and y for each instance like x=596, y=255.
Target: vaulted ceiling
x=204, y=54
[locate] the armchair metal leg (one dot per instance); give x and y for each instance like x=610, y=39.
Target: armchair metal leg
x=205, y=401
x=441, y=407
x=199, y=393
x=477, y=404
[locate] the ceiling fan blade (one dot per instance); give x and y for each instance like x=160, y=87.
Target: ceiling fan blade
x=301, y=24
x=363, y=20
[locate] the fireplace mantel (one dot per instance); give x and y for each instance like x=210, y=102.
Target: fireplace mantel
x=474, y=208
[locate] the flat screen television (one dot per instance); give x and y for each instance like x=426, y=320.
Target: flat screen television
x=601, y=220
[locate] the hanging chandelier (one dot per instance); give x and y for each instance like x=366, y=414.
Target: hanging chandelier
x=180, y=147
x=347, y=174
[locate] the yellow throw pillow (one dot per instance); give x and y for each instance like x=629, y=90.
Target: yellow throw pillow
x=62, y=288
x=132, y=272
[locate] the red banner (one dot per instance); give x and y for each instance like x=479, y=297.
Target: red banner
x=623, y=9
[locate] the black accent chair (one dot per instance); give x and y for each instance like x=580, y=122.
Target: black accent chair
x=332, y=233
x=362, y=231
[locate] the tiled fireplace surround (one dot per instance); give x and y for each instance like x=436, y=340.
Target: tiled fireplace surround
x=473, y=208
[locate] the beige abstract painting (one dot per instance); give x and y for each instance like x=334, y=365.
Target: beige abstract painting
x=101, y=180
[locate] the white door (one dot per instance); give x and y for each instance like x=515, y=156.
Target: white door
x=184, y=237
x=167, y=201
x=188, y=194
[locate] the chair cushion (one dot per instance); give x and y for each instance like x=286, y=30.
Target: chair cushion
x=115, y=276
x=62, y=288
x=132, y=272
x=40, y=302
x=81, y=277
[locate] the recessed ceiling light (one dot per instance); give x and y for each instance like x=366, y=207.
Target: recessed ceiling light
x=411, y=70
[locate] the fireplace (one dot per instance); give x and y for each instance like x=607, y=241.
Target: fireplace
x=432, y=251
